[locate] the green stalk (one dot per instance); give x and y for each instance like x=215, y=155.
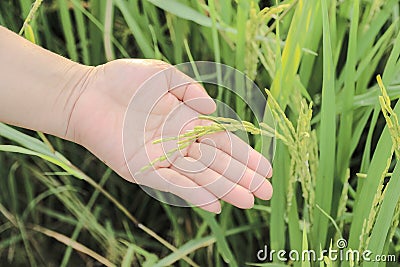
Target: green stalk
x=240, y=53
x=325, y=176
x=68, y=30
x=346, y=118
x=277, y=223
x=383, y=223
x=216, y=46
x=83, y=40
x=371, y=183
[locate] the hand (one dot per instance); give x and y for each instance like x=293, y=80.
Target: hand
x=118, y=122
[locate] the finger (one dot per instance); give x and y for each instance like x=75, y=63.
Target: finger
x=197, y=98
x=170, y=80
x=179, y=119
x=232, y=169
x=165, y=104
x=168, y=180
x=239, y=150
x=193, y=193
x=189, y=91
x=214, y=182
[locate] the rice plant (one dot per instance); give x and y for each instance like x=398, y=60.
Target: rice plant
x=335, y=168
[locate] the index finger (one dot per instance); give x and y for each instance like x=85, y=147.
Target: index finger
x=189, y=91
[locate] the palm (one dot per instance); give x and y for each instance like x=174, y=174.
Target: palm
x=118, y=123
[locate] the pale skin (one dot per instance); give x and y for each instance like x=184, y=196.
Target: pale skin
x=42, y=91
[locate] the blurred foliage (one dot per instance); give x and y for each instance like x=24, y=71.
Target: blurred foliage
x=324, y=52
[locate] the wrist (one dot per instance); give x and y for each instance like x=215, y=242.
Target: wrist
x=38, y=88
x=66, y=104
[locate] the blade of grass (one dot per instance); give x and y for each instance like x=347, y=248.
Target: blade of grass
x=77, y=246
x=366, y=157
x=60, y=161
x=183, y=11
x=222, y=243
x=216, y=46
x=142, y=40
x=359, y=128
x=371, y=30
x=294, y=229
x=95, y=41
x=27, y=245
x=200, y=242
x=325, y=176
x=240, y=41
x=83, y=40
x=393, y=64
x=277, y=223
x=383, y=223
x=346, y=118
x=108, y=28
x=281, y=167
x=78, y=228
x=26, y=7
x=371, y=183
x=129, y=257
x=304, y=247
x=67, y=28
x=12, y=187
x=18, y=224
x=306, y=68
x=292, y=52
